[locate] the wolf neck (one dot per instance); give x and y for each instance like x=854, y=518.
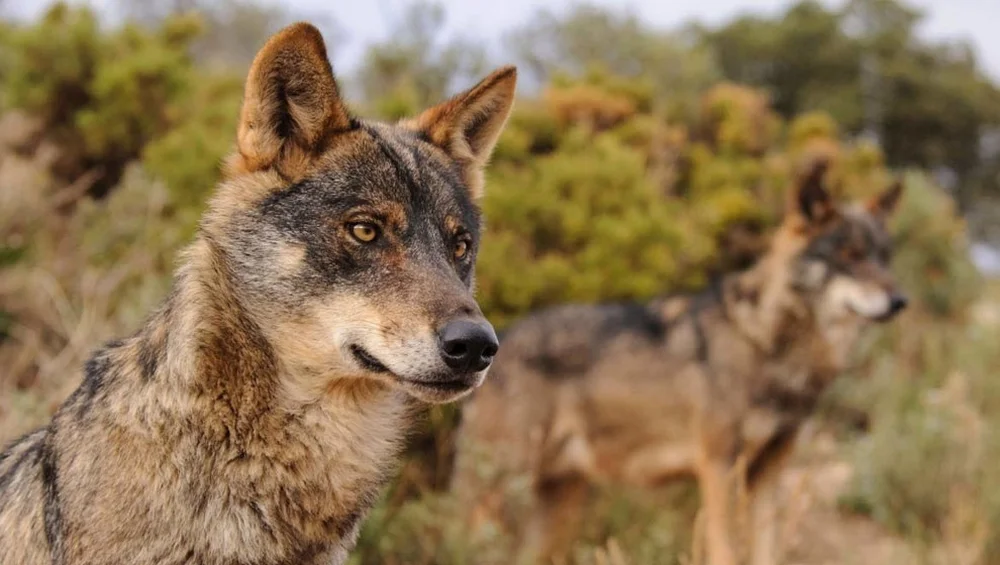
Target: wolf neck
x=216, y=352
x=202, y=379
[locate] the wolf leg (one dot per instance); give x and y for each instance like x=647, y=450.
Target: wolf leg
x=764, y=493
x=556, y=523
x=714, y=482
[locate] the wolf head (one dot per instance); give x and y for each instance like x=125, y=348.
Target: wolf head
x=842, y=266
x=352, y=243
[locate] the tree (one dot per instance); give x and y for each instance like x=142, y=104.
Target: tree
x=803, y=59
x=589, y=36
x=234, y=29
x=929, y=104
x=416, y=67
x=100, y=95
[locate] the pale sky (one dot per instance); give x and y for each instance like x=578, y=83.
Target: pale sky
x=369, y=20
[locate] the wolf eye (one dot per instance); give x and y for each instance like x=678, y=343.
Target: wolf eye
x=854, y=254
x=364, y=232
x=461, y=249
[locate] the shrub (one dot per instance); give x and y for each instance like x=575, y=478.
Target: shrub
x=102, y=95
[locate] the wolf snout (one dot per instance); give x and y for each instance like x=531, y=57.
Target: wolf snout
x=468, y=345
x=897, y=303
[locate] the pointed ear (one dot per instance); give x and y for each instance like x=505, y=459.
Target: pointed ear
x=291, y=105
x=467, y=126
x=886, y=203
x=810, y=200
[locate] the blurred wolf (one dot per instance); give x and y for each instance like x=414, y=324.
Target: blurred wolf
x=255, y=416
x=714, y=385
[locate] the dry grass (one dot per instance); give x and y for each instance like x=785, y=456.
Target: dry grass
x=76, y=274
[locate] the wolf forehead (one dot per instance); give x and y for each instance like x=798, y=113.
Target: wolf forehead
x=855, y=233
x=386, y=173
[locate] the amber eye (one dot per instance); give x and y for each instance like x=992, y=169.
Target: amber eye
x=461, y=249
x=364, y=232
x=855, y=254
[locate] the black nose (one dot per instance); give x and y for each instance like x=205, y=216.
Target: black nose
x=468, y=345
x=897, y=303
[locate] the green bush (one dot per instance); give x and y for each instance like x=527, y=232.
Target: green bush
x=932, y=257
x=581, y=224
x=102, y=95
x=928, y=470
x=188, y=156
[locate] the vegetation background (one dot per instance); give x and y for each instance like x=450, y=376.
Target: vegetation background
x=639, y=161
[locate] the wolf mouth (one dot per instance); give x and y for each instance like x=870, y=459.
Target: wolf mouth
x=368, y=361
x=442, y=386
x=881, y=318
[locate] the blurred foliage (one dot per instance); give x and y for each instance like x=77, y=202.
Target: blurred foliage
x=589, y=37
x=188, y=156
x=414, y=533
x=931, y=251
x=233, y=29
x=416, y=67
x=865, y=65
x=928, y=469
x=102, y=95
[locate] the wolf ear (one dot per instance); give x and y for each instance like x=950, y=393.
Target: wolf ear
x=467, y=126
x=291, y=105
x=886, y=203
x=810, y=200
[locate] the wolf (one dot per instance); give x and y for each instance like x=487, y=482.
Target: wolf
x=713, y=385
x=255, y=416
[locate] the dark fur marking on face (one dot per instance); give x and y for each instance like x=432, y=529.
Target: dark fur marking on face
x=416, y=176
x=51, y=508
x=314, y=211
x=849, y=242
x=367, y=360
x=449, y=176
x=419, y=180
x=397, y=162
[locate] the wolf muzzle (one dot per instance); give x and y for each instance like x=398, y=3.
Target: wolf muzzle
x=897, y=303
